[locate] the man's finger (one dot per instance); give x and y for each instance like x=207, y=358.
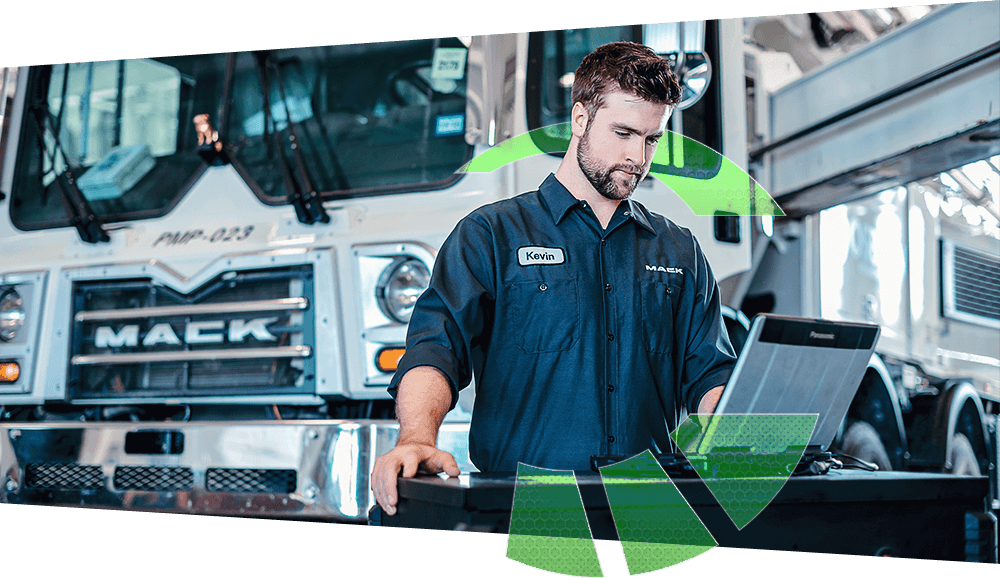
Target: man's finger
x=442, y=462
x=410, y=464
x=384, y=483
x=450, y=465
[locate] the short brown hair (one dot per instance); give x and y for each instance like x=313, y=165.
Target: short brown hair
x=625, y=66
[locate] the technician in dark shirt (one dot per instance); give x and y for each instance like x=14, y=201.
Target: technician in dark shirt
x=590, y=324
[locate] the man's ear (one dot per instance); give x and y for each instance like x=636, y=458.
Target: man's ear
x=579, y=118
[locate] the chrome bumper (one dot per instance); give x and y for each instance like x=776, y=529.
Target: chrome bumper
x=223, y=468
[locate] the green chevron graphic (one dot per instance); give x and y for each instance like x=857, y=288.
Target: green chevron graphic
x=743, y=459
x=548, y=525
x=704, y=179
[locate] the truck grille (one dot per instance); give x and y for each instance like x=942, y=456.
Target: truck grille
x=243, y=333
x=64, y=476
x=248, y=480
x=153, y=478
x=971, y=284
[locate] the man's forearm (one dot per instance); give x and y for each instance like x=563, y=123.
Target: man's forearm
x=423, y=399
x=710, y=400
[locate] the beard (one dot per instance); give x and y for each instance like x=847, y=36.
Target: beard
x=602, y=178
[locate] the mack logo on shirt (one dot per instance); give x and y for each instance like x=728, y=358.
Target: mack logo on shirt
x=659, y=269
x=540, y=256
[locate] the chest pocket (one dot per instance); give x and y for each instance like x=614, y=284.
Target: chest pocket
x=658, y=316
x=548, y=313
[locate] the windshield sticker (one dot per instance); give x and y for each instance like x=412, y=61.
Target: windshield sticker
x=220, y=235
x=449, y=63
x=449, y=124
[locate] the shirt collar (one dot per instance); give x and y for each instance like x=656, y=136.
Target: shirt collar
x=641, y=215
x=559, y=201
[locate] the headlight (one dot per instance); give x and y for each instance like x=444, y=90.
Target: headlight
x=400, y=285
x=11, y=314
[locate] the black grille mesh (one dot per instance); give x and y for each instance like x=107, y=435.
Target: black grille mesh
x=248, y=480
x=64, y=476
x=977, y=284
x=153, y=478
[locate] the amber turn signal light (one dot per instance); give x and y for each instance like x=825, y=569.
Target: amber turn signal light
x=387, y=358
x=9, y=372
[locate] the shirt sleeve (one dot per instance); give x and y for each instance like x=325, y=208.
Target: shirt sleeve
x=451, y=317
x=708, y=356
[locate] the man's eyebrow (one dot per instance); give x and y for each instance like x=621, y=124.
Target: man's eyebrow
x=625, y=127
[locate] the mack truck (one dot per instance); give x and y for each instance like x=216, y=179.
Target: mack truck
x=209, y=261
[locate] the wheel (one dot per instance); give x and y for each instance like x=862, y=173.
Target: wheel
x=862, y=441
x=963, y=458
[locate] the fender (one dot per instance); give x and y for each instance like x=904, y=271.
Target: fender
x=737, y=333
x=890, y=428
x=958, y=399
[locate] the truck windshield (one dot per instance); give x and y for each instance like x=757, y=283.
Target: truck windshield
x=367, y=119
x=555, y=55
x=343, y=121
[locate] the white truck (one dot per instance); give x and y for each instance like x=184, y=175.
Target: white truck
x=887, y=168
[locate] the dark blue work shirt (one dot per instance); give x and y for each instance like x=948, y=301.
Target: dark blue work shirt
x=582, y=340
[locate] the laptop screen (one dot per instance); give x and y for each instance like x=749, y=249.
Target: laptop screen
x=797, y=366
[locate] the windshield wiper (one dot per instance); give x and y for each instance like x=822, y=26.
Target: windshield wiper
x=308, y=206
x=81, y=215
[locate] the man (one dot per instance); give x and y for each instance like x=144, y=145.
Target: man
x=591, y=325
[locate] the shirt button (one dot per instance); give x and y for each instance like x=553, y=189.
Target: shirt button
x=611, y=336
x=611, y=389
x=611, y=439
x=543, y=287
x=603, y=243
x=626, y=213
x=607, y=287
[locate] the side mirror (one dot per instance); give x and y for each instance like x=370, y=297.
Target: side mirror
x=694, y=77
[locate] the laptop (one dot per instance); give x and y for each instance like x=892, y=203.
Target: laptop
x=792, y=365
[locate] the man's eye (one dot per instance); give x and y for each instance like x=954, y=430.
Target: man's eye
x=652, y=141
x=621, y=133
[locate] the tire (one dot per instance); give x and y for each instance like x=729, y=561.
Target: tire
x=963, y=457
x=862, y=441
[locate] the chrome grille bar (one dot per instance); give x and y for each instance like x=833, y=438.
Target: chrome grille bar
x=289, y=304
x=200, y=355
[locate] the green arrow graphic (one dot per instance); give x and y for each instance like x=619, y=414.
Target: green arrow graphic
x=704, y=179
x=743, y=459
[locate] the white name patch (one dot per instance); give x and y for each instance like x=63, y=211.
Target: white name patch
x=540, y=256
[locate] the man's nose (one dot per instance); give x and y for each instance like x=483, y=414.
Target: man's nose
x=636, y=152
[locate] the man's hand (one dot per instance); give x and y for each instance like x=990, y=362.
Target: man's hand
x=710, y=400
x=411, y=458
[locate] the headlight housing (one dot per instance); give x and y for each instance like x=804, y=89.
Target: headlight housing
x=11, y=314
x=400, y=285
